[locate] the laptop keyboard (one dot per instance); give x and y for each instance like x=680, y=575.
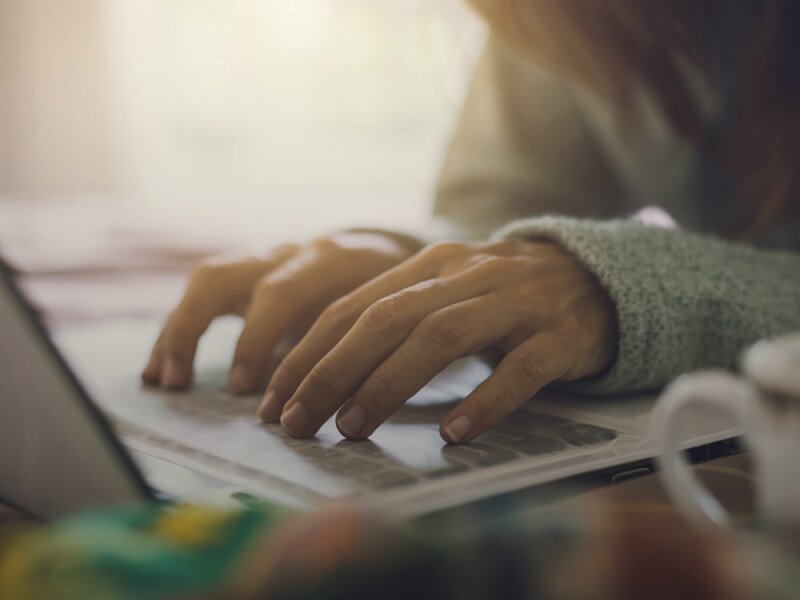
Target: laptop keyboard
x=370, y=466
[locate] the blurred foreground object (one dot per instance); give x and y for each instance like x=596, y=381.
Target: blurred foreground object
x=623, y=542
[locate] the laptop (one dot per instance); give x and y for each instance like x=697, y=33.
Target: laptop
x=78, y=431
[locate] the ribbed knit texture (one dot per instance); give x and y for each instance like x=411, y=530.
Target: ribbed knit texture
x=684, y=301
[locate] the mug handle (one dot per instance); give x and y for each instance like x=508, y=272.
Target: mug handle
x=717, y=389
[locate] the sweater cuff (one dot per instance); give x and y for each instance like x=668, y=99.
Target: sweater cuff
x=616, y=252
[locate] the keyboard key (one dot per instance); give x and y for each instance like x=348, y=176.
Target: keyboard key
x=347, y=466
x=317, y=453
x=522, y=442
x=238, y=409
x=296, y=443
x=364, y=448
x=386, y=479
x=429, y=463
x=581, y=434
x=452, y=468
x=478, y=454
x=526, y=420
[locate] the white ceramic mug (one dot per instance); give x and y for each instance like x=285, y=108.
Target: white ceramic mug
x=766, y=403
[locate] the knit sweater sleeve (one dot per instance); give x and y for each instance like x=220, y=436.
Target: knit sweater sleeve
x=684, y=301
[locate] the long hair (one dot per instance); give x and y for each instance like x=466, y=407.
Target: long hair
x=617, y=47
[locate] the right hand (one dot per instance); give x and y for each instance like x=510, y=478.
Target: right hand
x=278, y=295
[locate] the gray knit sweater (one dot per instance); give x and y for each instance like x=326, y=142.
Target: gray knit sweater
x=530, y=144
x=684, y=301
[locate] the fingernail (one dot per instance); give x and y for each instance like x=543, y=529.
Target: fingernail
x=270, y=409
x=171, y=378
x=239, y=382
x=352, y=421
x=458, y=429
x=295, y=419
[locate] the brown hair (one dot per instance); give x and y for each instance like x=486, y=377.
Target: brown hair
x=616, y=46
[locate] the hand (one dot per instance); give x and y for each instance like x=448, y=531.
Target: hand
x=278, y=294
x=377, y=346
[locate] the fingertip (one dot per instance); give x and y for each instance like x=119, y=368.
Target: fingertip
x=149, y=376
x=174, y=376
x=295, y=421
x=240, y=381
x=457, y=430
x=270, y=408
x=351, y=423
x=250, y=362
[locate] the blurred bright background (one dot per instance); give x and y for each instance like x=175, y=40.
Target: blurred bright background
x=137, y=136
x=239, y=116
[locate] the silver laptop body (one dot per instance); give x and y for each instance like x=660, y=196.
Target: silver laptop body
x=58, y=454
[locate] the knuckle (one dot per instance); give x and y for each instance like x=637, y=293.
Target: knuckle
x=386, y=315
x=525, y=368
x=492, y=264
x=290, y=367
x=263, y=288
x=271, y=286
x=208, y=283
x=443, y=250
x=326, y=244
x=285, y=248
x=570, y=326
x=287, y=376
x=381, y=385
x=337, y=313
x=445, y=328
x=208, y=271
x=324, y=378
x=501, y=402
x=502, y=248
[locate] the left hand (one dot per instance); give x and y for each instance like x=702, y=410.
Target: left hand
x=373, y=349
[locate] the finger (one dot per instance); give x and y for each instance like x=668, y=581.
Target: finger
x=338, y=318
x=380, y=330
x=151, y=374
x=206, y=299
x=214, y=289
x=181, y=335
x=287, y=297
x=440, y=338
x=376, y=334
x=518, y=377
x=338, y=373
x=277, y=305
